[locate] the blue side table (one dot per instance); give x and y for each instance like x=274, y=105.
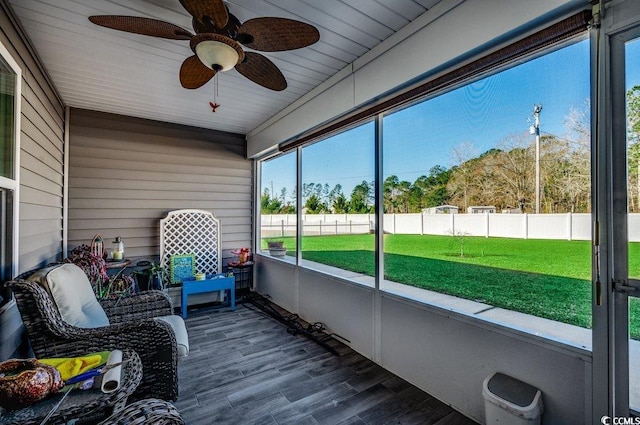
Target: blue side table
x=217, y=282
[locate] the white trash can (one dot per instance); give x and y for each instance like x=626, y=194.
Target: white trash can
x=509, y=401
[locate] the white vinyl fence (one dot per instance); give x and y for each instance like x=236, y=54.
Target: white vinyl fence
x=523, y=226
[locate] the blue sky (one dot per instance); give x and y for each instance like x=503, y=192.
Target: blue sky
x=479, y=114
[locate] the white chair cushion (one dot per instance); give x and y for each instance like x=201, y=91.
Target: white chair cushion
x=72, y=293
x=179, y=328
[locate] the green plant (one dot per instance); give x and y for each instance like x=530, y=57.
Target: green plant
x=104, y=286
x=461, y=237
x=153, y=277
x=275, y=243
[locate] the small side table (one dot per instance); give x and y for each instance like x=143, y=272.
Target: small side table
x=213, y=283
x=83, y=406
x=118, y=264
x=243, y=274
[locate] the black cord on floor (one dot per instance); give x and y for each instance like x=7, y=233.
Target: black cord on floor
x=295, y=326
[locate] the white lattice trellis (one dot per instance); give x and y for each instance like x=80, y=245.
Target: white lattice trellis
x=191, y=232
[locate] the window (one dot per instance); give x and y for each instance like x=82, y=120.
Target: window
x=278, y=205
x=9, y=112
x=486, y=190
x=338, y=176
x=471, y=211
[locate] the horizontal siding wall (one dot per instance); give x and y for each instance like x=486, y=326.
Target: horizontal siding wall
x=41, y=170
x=126, y=174
x=41, y=156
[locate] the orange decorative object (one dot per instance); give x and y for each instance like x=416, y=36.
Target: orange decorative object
x=243, y=255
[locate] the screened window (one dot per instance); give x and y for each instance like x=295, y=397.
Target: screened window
x=487, y=190
x=338, y=176
x=278, y=206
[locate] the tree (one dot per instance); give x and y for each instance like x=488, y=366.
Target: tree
x=362, y=198
x=313, y=205
x=569, y=181
x=633, y=114
x=333, y=195
x=389, y=187
x=340, y=205
x=462, y=179
x=434, y=187
x=514, y=171
x=269, y=205
x=633, y=147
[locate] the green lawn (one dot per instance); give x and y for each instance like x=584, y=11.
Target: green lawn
x=546, y=278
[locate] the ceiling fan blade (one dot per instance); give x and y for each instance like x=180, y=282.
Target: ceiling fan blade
x=215, y=10
x=144, y=26
x=277, y=34
x=261, y=70
x=193, y=74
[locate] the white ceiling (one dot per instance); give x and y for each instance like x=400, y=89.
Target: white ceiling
x=101, y=69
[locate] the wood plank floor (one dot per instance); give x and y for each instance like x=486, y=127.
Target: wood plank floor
x=245, y=368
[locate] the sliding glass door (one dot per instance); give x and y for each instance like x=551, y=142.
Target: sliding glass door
x=617, y=287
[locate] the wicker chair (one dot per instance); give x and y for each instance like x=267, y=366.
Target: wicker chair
x=146, y=412
x=131, y=327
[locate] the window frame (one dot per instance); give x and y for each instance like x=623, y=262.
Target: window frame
x=13, y=184
x=547, y=40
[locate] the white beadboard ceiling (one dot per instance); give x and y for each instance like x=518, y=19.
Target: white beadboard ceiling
x=105, y=70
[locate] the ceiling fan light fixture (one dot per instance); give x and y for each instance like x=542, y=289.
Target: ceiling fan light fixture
x=216, y=51
x=216, y=55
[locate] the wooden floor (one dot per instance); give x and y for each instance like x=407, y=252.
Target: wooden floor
x=244, y=368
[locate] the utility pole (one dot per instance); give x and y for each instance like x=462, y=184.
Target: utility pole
x=535, y=129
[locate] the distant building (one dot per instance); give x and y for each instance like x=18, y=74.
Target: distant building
x=441, y=209
x=512, y=211
x=481, y=209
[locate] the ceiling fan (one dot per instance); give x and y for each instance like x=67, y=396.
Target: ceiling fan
x=217, y=41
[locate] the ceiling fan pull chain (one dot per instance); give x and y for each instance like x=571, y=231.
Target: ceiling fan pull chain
x=215, y=105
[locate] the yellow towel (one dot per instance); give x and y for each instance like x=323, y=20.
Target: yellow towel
x=72, y=366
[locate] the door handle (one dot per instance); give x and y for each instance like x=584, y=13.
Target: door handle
x=619, y=286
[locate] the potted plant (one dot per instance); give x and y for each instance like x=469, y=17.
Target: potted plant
x=152, y=277
x=94, y=266
x=276, y=248
x=275, y=244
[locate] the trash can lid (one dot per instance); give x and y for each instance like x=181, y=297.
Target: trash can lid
x=511, y=389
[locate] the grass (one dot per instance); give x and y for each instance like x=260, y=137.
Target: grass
x=545, y=278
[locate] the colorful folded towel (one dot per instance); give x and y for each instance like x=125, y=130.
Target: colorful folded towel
x=72, y=366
